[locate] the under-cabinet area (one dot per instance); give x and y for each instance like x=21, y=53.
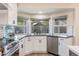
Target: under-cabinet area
x=45, y=44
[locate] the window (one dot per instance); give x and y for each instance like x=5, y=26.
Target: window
x=20, y=21
x=63, y=29
x=40, y=26
x=60, y=25
x=19, y=30
x=62, y=20
x=21, y=25
x=55, y=29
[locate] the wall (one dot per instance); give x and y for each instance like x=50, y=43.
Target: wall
x=47, y=5
x=3, y=17
x=70, y=15
x=76, y=26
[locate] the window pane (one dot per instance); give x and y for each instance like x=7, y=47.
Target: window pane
x=62, y=20
x=21, y=26
x=63, y=29
x=20, y=21
x=56, y=29
x=19, y=30
x=40, y=26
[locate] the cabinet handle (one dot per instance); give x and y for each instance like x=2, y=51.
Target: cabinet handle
x=29, y=40
x=21, y=45
x=40, y=41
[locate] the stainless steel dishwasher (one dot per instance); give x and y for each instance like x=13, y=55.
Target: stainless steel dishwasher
x=52, y=45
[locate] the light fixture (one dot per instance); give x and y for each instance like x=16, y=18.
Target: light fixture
x=41, y=21
x=40, y=16
x=40, y=12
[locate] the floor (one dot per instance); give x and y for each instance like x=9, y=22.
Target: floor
x=33, y=54
x=16, y=53
x=40, y=54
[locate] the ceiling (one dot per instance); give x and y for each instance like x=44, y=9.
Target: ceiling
x=42, y=10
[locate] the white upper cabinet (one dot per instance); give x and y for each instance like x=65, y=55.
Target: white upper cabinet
x=12, y=14
x=8, y=13
x=63, y=46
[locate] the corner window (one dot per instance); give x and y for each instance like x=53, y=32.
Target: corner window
x=40, y=26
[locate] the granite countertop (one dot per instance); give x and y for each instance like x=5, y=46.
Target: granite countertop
x=29, y=36
x=47, y=35
x=74, y=49
x=60, y=36
x=22, y=36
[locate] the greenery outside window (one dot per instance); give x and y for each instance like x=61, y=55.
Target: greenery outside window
x=21, y=26
x=40, y=26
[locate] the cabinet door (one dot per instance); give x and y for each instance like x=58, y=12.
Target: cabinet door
x=36, y=44
x=63, y=46
x=25, y=46
x=69, y=41
x=28, y=45
x=43, y=44
x=21, y=47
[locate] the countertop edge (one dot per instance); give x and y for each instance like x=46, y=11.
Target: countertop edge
x=46, y=35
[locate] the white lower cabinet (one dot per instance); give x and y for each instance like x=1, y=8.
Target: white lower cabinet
x=40, y=44
x=21, y=48
x=36, y=45
x=43, y=44
x=63, y=44
x=28, y=45
x=33, y=44
x=25, y=46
